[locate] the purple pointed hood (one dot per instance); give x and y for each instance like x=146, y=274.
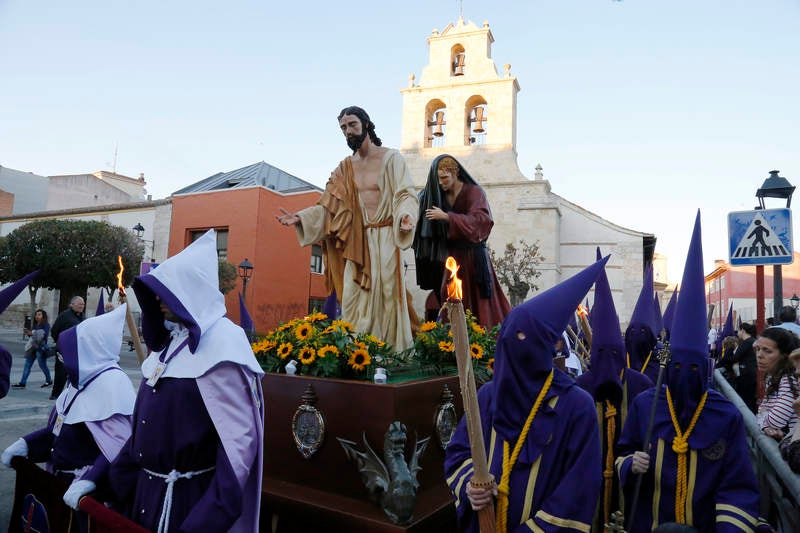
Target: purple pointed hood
x=727, y=329
x=658, y=319
x=640, y=335
x=10, y=293
x=331, y=307
x=669, y=312
x=245, y=320
x=608, y=348
x=524, y=354
x=101, y=306
x=688, y=368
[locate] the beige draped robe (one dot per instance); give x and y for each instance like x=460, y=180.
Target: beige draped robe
x=362, y=255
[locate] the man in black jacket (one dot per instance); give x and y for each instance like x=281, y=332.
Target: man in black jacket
x=71, y=316
x=743, y=364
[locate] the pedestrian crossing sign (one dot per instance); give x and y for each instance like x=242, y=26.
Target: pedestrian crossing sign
x=760, y=237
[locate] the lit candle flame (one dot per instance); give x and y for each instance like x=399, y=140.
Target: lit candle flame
x=120, y=286
x=582, y=311
x=454, y=285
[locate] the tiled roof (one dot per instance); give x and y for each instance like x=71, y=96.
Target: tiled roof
x=258, y=174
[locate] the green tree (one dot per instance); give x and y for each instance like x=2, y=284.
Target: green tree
x=71, y=256
x=227, y=276
x=516, y=269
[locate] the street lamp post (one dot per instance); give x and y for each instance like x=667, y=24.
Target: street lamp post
x=776, y=186
x=138, y=229
x=245, y=272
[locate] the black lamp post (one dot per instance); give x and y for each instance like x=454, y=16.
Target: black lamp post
x=138, y=229
x=776, y=186
x=245, y=272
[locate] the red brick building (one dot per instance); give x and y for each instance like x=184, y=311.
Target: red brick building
x=733, y=284
x=241, y=205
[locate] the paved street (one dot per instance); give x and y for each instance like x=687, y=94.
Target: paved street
x=25, y=410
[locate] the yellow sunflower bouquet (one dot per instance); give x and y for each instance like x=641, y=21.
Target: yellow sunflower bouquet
x=435, y=351
x=323, y=347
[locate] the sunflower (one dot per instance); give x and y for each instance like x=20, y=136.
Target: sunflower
x=325, y=350
x=307, y=355
x=361, y=345
x=450, y=333
x=422, y=337
x=303, y=331
x=359, y=359
x=490, y=365
x=342, y=324
x=284, y=326
x=316, y=316
x=329, y=329
x=446, y=346
x=267, y=345
x=427, y=326
x=285, y=349
x=375, y=340
x=476, y=351
x=477, y=328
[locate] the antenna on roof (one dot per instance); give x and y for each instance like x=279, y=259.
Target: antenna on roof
x=114, y=168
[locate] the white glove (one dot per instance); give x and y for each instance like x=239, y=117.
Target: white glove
x=19, y=447
x=78, y=490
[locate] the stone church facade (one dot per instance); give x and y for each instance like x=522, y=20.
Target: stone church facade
x=462, y=105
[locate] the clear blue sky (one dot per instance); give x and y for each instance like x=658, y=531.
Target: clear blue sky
x=640, y=111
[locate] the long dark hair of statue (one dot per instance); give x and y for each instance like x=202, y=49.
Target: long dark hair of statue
x=366, y=123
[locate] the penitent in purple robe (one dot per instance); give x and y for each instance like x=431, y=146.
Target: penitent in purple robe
x=173, y=430
x=556, y=480
x=5, y=371
x=705, y=478
x=723, y=490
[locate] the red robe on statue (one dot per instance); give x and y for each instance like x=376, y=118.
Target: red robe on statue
x=469, y=227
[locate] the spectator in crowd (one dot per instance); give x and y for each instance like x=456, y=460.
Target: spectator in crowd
x=790, y=445
x=36, y=349
x=72, y=316
x=788, y=318
x=743, y=365
x=776, y=417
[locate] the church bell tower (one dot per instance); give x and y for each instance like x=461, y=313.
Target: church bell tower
x=461, y=105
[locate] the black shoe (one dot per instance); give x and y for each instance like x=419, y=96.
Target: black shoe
x=45, y=385
x=18, y=386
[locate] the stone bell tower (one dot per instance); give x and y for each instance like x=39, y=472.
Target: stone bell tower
x=462, y=106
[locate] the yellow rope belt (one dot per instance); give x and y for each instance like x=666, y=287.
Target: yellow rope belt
x=680, y=446
x=501, y=520
x=608, y=473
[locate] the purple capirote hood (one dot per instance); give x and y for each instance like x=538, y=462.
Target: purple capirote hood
x=524, y=354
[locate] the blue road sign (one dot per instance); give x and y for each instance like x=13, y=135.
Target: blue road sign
x=760, y=237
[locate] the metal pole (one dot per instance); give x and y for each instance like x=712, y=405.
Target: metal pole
x=760, y=323
x=777, y=288
x=760, y=298
x=244, y=290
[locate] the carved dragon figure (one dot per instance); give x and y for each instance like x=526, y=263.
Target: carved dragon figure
x=392, y=483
